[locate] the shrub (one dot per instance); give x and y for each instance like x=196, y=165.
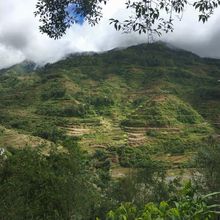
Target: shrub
x=77, y=110
x=100, y=101
x=53, y=92
x=186, y=206
x=56, y=186
x=152, y=133
x=133, y=157
x=49, y=132
x=133, y=123
x=74, y=110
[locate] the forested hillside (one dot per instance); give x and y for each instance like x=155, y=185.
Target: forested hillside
x=138, y=107
x=147, y=99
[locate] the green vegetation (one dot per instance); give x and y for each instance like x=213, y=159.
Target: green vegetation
x=140, y=116
x=38, y=186
x=186, y=207
x=148, y=96
x=68, y=185
x=142, y=17
x=209, y=165
x=159, y=100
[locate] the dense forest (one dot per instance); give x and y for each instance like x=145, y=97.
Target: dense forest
x=127, y=134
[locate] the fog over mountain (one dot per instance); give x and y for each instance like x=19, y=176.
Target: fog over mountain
x=20, y=37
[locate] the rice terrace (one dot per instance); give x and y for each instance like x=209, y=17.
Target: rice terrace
x=96, y=124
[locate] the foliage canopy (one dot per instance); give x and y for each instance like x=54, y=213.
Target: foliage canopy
x=185, y=206
x=145, y=16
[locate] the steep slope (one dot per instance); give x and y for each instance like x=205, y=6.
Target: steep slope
x=146, y=99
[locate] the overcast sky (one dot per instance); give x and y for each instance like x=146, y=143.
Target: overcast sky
x=20, y=38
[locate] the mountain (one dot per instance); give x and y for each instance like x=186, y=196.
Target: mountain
x=149, y=99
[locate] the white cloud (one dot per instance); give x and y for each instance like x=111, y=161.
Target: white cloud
x=20, y=38
x=9, y=56
x=195, y=36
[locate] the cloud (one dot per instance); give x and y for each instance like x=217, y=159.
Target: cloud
x=9, y=56
x=202, y=39
x=20, y=37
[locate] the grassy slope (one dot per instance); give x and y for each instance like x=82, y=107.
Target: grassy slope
x=147, y=97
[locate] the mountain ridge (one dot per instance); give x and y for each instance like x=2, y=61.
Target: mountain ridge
x=142, y=100
x=166, y=45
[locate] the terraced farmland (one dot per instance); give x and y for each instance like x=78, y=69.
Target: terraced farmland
x=146, y=100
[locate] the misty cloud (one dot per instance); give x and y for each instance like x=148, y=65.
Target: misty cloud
x=20, y=38
x=9, y=56
x=14, y=38
x=202, y=39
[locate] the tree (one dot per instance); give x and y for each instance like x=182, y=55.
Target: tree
x=187, y=205
x=208, y=164
x=53, y=186
x=145, y=16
